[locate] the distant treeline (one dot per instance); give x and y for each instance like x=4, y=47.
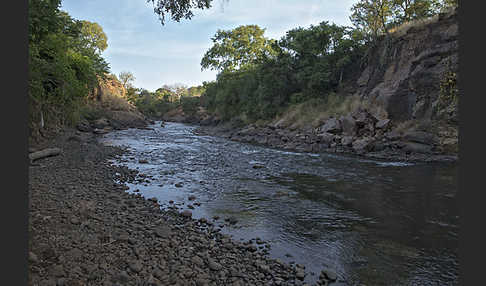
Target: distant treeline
x=156, y=104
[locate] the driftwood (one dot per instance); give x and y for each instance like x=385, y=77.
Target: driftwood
x=44, y=153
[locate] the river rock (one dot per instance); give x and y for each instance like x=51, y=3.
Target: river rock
x=100, y=123
x=393, y=135
x=135, y=266
x=413, y=147
x=332, y=125
x=383, y=124
x=420, y=137
x=197, y=261
x=348, y=124
x=232, y=220
x=213, y=265
x=325, y=138
x=363, y=145
x=300, y=274
x=186, y=213
x=163, y=231
x=33, y=258
x=84, y=126
x=347, y=141
x=57, y=271
x=329, y=275
x=101, y=131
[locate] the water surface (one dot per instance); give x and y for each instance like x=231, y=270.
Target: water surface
x=371, y=222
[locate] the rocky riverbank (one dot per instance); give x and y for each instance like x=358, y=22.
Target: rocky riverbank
x=358, y=133
x=84, y=229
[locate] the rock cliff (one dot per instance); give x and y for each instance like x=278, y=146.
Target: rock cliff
x=404, y=72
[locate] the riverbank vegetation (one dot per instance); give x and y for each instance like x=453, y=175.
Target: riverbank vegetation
x=305, y=71
x=65, y=64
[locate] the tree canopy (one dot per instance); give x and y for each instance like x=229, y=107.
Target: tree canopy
x=376, y=17
x=241, y=47
x=93, y=36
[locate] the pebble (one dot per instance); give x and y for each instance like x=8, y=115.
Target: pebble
x=135, y=266
x=33, y=258
x=186, y=213
x=213, y=265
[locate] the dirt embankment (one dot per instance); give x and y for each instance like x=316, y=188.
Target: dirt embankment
x=84, y=229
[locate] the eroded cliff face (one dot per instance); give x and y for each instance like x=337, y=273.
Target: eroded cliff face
x=110, y=109
x=108, y=87
x=405, y=73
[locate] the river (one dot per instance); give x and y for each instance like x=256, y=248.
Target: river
x=371, y=222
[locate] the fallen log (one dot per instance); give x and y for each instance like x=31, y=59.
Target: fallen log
x=44, y=153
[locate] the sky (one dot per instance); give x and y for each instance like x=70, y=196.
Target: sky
x=159, y=54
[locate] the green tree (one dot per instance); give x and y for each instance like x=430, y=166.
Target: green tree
x=93, y=37
x=372, y=16
x=241, y=47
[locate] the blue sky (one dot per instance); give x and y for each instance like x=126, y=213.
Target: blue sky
x=172, y=53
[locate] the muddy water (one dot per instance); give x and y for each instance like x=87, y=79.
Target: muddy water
x=370, y=222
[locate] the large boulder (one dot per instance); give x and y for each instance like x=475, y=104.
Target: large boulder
x=413, y=147
x=348, y=125
x=332, y=125
x=363, y=145
x=100, y=123
x=393, y=135
x=84, y=126
x=325, y=138
x=347, y=141
x=383, y=124
x=421, y=137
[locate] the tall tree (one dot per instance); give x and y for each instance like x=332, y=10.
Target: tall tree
x=93, y=36
x=372, y=16
x=241, y=47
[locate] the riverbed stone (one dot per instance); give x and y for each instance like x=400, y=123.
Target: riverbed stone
x=186, y=213
x=332, y=125
x=348, y=124
x=213, y=265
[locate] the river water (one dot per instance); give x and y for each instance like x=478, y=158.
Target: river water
x=371, y=222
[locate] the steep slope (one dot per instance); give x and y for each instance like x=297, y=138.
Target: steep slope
x=404, y=73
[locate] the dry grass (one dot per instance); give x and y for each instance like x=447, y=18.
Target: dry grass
x=116, y=103
x=403, y=28
x=315, y=112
